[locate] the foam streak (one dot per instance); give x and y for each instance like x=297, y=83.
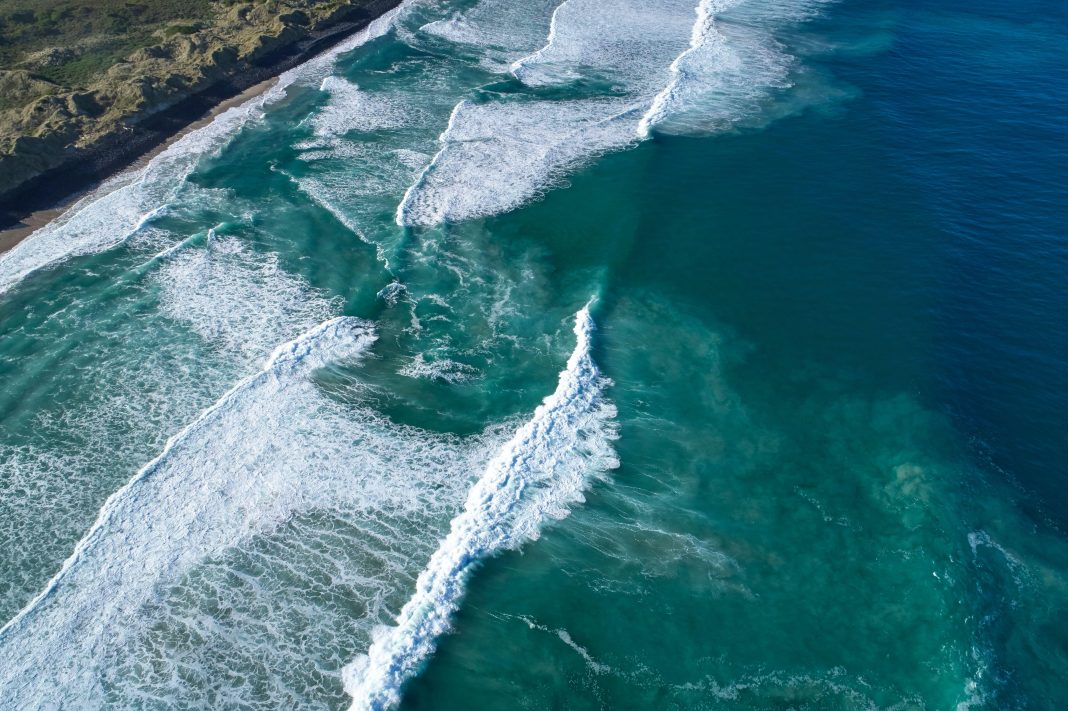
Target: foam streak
x=702, y=29
x=544, y=467
x=174, y=511
x=125, y=204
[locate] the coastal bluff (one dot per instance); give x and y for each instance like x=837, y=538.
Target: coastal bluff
x=85, y=88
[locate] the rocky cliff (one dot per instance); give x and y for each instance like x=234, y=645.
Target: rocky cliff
x=49, y=132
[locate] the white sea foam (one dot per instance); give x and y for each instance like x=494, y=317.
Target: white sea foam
x=631, y=66
x=386, y=165
x=501, y=31
x=519, y=65
x=270, y=451
x=197, y=316
x=731, y=66
x=1016, y=566
x=501, y=153
x=445, y=369
x=237, y=300
x=392, y=293
x=353, y=109
x=497, y=156
x=171, y=513
x=319, y=193
x=410, y=194
x=535, y=476
x=702, y=29
x=564, y=636
x=126, y=203
x=316, y=68
x=627, y=43
x=358, y=206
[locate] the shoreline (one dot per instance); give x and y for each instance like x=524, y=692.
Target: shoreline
x=48, y=196
x=33, y=221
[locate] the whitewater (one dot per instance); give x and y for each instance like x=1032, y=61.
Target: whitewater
x=128, y=202
x=500, y=151
x=299, y=369
x=536, y=476
x=178, y=509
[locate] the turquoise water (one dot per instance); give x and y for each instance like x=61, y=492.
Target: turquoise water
x=580, y=355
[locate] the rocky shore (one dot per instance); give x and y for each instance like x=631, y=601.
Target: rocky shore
x=57, y=143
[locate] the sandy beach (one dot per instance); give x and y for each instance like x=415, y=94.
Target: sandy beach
x=45, y=207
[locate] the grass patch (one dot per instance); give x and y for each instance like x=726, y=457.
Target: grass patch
x=99, y=32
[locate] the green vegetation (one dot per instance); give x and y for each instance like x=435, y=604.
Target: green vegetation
x=77, y=76
x=71, y=42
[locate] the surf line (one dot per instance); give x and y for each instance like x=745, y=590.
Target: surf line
x=519, y=66
x=536, y=475
x=129, y=201
x=338, y=338
x=702, y=29
x=404, y=215
x=404, y=209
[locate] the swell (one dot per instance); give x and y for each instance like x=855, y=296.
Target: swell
x=535, y=476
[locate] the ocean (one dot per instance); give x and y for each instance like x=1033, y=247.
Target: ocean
x=670, y=354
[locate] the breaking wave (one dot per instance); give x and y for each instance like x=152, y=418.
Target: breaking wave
x=273, y=454
x=213, y=477
x=536, y=475
x=631, y=68
x=498, y=156
x=731, y=66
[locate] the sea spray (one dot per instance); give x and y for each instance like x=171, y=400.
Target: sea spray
x=535, y=476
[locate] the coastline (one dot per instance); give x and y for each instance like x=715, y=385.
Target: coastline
x=33, y=221
x=48, y=196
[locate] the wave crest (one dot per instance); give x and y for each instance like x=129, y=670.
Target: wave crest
x=536, y=475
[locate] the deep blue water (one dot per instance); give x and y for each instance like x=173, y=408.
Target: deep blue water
x=971, y=102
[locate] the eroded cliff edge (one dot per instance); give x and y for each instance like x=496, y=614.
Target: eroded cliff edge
x=58, y=135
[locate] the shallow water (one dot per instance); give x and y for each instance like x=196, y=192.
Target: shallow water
x=670, y=355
